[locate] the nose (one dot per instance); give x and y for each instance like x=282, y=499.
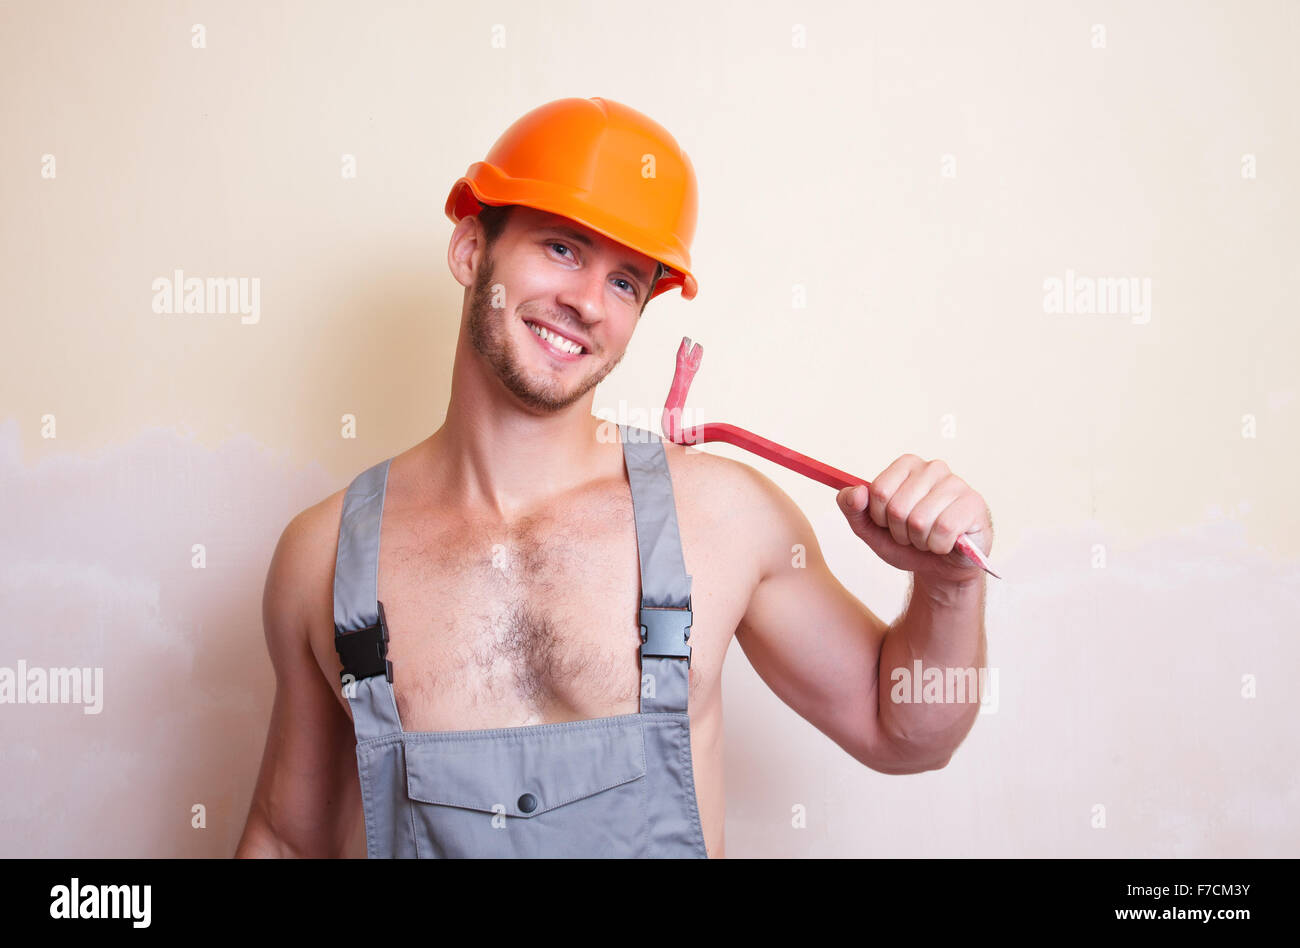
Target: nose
x=584, y=293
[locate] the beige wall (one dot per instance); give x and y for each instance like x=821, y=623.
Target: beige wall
x=821, y=166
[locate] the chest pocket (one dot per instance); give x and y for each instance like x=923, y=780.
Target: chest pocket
x=573, y=789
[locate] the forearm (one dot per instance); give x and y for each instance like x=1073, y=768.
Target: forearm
x=928, y=711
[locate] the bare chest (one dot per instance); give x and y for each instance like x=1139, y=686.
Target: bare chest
x=494, y=626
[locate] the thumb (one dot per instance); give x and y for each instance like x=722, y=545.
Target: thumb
x=853, y=501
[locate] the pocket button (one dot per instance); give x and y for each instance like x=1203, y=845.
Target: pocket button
x=527, y=803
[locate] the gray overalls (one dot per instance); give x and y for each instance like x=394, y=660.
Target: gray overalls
x=620, y=786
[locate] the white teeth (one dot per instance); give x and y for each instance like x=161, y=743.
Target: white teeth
x=558, y=341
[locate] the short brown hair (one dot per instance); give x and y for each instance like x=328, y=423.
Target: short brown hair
x=493, y=217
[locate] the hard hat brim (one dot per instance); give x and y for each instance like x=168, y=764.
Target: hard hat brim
x=487, y=185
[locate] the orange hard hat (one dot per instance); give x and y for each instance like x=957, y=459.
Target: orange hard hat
x=602, y=164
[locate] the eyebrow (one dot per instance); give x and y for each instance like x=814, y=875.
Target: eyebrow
x=588, y=242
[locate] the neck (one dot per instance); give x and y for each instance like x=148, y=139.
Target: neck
x=499, y=458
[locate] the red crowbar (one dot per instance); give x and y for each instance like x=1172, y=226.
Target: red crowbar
x=688, y=363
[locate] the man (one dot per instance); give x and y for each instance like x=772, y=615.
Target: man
x=489, y=643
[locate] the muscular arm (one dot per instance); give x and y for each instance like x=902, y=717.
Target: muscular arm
x=307, y=793
x=811, y=641
x=942, y=628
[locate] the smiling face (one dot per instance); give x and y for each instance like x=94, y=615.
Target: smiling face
x=547, y=276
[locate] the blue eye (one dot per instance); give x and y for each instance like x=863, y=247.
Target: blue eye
x=630, y=288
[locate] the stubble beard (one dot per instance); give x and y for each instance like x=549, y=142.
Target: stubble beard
x=490, y=336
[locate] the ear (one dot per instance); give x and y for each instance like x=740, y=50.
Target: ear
x=466, y=250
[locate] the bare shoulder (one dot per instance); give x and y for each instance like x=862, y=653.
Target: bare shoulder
x=701, y=473
x=299, y=585
x=734, y=498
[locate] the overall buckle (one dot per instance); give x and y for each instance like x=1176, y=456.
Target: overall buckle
x=664, y=631
x=364, y=651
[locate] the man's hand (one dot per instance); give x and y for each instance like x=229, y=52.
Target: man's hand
x=913, y=514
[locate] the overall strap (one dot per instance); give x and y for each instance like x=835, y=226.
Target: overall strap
x=665, y=615
x=360, y=630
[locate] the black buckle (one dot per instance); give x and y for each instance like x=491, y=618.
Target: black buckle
x=663, y=634
x=364, y=651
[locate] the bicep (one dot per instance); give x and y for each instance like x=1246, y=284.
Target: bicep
x=810, y=640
